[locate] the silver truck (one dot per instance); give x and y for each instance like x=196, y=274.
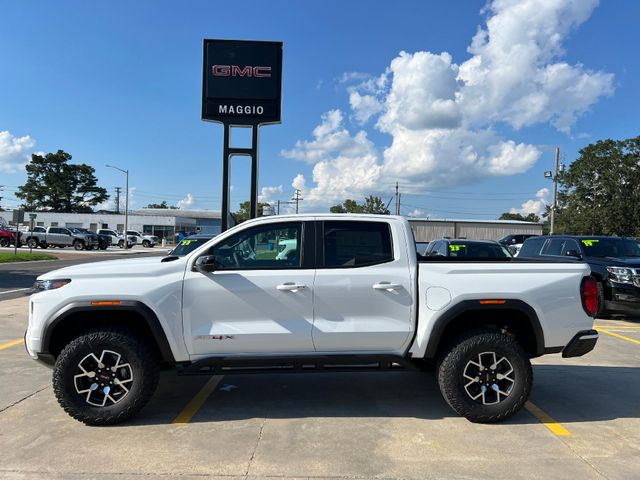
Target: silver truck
x=59, y=237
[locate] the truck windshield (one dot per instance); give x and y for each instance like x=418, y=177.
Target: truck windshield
x=610, y=247
x=188, y=245
x=477, y=250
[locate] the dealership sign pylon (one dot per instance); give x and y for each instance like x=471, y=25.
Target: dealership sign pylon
x=241, y=87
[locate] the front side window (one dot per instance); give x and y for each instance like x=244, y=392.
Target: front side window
x=356, y=244
x=275, y=246
x=553, y=247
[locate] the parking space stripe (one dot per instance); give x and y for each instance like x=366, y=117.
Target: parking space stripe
x=11, y=344
x=628, y=339
x=617, y=327
x=546, y=420
x=196, y=402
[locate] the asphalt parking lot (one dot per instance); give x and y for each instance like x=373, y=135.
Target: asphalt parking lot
x=582, y=422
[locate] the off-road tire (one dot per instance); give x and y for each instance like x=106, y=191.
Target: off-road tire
x=78, y=245
x=144, y=366
x=4, y=242
x=452, y=365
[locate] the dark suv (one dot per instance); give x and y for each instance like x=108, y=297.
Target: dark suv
x=614, y=262
x=448, y=247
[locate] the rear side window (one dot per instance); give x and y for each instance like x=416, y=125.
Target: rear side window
x=553, y=247
x=531, y=247
x=356, y=244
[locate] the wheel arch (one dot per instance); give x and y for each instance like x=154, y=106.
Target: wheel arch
x=518, y=317
x=78, y=317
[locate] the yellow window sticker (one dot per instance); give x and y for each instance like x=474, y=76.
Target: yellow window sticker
x=456, y=248
x=186, y=242
x=589, y=243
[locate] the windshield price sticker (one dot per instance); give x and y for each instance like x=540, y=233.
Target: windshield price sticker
x=589, y=243
x=186, y=242
x=456, y=248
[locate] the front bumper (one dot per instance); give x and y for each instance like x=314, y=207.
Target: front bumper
x=622, y=298
x=581, y=344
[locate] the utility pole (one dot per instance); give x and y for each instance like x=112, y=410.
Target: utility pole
x=555, y=191
x=397, y=200
x=278, y=207
x=1, y=188
x=297, y=198
x=126, y=205
x=118, y=199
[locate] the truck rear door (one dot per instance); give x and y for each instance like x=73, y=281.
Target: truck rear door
x=363, y=292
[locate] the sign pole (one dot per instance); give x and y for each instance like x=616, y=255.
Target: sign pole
x=254, y=172
x=225, y=179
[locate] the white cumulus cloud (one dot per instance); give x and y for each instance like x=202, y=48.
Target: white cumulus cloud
x=537, y=206
x=443, y=117
x=186, y=202
x=267, y=193
x=14, y=151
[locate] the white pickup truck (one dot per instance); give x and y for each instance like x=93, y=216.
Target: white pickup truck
x=353, y=295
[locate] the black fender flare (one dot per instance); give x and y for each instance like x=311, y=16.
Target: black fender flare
x=149, y=316
x=467, y=305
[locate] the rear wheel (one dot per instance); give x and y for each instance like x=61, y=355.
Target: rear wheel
x=4, y=242
x=32, y=243
x=121, y=244
x=105, y=377
x=485, y=376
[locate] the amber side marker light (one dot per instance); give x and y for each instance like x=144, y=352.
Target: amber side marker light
x=103, y=304
x=492, y=302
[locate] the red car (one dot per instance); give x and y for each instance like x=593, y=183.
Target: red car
x=7, y=237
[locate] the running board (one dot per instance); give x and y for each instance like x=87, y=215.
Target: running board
x=325, y=363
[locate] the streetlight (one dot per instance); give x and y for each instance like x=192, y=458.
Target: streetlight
x=126, y=206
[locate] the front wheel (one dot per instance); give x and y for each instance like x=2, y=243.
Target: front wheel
x=4, y=242
x=78, y=244
x=32, y=243
x=105, y=377
x=486, y=377
x=146, y=243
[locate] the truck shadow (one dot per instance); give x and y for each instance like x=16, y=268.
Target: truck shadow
x=568, y=393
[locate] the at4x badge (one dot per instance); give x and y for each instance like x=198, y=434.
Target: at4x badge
x=214, y=337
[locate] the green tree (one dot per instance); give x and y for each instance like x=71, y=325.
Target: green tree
x=57, y=185
x=162, y=205
x=243, y=214
x=532, y=217
x=600, y=192
x=371, y=204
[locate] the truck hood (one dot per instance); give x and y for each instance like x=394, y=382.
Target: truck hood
x=128, y=267
x=632, y=262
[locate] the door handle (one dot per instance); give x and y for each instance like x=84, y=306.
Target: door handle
x=388, y=286
x=291, y=287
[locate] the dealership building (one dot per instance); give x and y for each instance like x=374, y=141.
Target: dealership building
x=164, y=223
x=425, y=230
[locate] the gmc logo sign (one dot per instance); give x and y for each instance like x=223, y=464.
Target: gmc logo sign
x=236, y=71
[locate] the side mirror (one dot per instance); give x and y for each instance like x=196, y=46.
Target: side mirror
x=573, y=253
x=206, y=264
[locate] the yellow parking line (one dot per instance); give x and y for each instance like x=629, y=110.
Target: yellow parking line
x=628, y=339
x=616, y=327
x=546, y=420
x=11, y=344
x=196, y=402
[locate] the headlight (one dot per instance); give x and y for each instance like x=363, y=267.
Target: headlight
x=620, y=274
x=42, y=285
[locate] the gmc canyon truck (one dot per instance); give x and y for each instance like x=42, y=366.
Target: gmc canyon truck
x=352, y=295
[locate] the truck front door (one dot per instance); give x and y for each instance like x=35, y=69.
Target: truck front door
x=363, y=293
x=255, y=301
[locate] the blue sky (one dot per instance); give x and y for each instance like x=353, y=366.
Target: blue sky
x=467, y=133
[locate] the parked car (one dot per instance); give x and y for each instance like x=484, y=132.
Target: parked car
x=355, y=298
x=513, y=243
x=116, y=238
x=147, y=241
x=614, y=262
x=60, y=237
x=8, y=237
x=448, y=247
x=190, y=243
x=103, y=240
